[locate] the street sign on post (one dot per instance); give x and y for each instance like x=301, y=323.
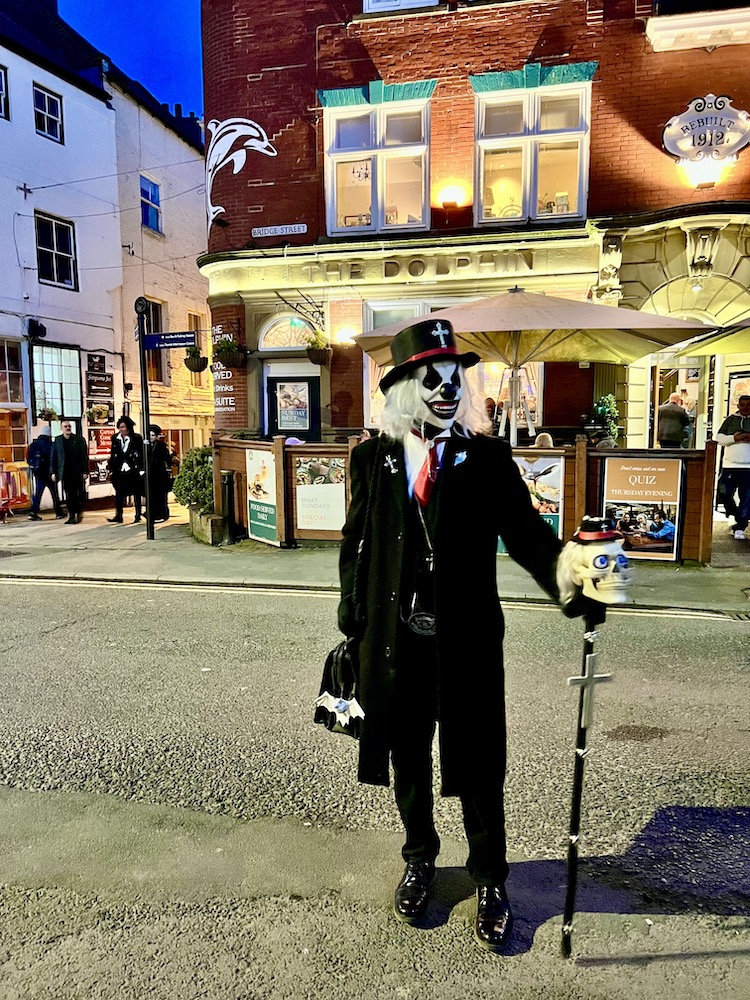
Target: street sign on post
x=141, y=308
x=169, y=341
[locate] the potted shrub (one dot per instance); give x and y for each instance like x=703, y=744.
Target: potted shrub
x=318, y=349
x=229, y=353
x=47, y=413
x=194, y=360
x=607, y=414
x=194, y=484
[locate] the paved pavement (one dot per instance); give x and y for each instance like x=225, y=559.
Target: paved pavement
x=96, y=550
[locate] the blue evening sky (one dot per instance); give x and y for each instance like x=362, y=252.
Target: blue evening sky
x=156, y=43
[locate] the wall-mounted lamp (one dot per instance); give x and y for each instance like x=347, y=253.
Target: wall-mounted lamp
x=345, y=335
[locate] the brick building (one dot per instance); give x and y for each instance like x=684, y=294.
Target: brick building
x=369, y=160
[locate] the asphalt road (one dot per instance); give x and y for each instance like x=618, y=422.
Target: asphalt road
x=173, y=825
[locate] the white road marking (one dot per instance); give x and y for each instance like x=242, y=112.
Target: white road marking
x=333, y=595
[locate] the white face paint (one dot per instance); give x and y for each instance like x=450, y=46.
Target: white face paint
x=604, y=572
x=440, y=389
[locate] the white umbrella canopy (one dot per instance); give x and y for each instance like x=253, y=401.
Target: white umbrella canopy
x=517, y=327
x=732, y=340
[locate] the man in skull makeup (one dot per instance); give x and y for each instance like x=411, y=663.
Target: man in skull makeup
x=430, y=496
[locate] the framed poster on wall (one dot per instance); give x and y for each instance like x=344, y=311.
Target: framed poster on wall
x=261, y=496
x=642, y=498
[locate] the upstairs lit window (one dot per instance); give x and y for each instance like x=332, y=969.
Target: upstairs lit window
x=377, y=168
x=375, y=6
x=48, y=115
x=4, y=102
x=532, y=154
x=150, y=207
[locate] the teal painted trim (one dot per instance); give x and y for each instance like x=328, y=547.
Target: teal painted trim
x=377, y=92
x=533, y=75
x=344, y=97
x=572, y=73
x=420, y=90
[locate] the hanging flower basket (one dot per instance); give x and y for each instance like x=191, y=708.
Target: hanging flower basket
x=319, y=355
x=232, y=359
x=198, y=364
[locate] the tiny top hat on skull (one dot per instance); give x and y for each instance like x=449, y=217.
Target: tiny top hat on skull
x=427, y=340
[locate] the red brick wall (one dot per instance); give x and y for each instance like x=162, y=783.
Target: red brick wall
x=269, y=69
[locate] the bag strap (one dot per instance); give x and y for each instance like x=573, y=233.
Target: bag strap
x=363, y=549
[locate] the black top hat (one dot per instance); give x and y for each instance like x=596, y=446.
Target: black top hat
x=428, y=340
x=596, y=529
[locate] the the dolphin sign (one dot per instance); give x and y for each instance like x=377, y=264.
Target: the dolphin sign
x=229, y=143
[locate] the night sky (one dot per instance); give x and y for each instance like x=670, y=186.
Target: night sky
x=157, y=44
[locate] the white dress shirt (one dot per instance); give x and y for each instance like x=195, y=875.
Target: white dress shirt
x=416, y=449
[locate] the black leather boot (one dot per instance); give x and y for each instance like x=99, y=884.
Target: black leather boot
x=494, y=919
x=413, y=891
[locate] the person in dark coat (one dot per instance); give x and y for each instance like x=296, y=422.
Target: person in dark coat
x=126, y=468
x=70, y=466
x=160, y=473
x=430, y=497
x=39, y=458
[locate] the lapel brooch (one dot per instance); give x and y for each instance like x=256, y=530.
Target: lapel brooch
x=460, y=457
x=390, y=463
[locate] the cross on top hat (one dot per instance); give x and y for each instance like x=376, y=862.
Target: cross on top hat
x=428, y=340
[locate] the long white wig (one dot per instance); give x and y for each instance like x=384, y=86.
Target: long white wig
x=404, y=410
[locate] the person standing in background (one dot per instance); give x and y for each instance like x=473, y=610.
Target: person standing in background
x=40, y=457
x=672, y=421
x=69, y=465
x=734, y=435
x=160, y=473
x=126, y=468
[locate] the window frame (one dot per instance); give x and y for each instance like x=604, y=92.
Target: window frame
x=376, y=6
x=155, y=359
x=151, y=205
x=4, y=94
x=201, y=342
x=58, y=97
x=73, y=257
x=379, y=153
x=529, y=140
x=56, y=359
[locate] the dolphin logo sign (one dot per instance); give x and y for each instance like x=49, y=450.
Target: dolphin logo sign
x=229, y=143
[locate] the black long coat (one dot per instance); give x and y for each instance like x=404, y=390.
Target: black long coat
x=481, y=496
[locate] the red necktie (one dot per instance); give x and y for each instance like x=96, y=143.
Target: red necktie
x=427, y=476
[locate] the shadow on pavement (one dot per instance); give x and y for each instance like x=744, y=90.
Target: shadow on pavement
x=685, y=860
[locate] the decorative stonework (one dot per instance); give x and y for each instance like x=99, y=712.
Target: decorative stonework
x=702, y=30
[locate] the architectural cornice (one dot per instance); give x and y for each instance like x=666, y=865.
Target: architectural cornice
x=703, y=30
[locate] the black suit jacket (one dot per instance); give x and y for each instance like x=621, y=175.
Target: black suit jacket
x=133, y=457
x=481, y=496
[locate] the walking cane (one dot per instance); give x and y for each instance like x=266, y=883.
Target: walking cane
x=586, y=683
x=597, y=565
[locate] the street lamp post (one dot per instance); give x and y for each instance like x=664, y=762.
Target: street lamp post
x=141, y=308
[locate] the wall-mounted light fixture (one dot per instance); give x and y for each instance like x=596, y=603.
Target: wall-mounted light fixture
x=706, y=138
x=344, y=336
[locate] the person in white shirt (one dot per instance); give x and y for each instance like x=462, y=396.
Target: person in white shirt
x=126, y=466
x=734, y=434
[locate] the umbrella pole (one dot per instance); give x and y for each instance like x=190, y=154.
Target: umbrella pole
x=515, y=394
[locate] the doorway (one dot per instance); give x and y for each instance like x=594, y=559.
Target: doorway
x=293, y=402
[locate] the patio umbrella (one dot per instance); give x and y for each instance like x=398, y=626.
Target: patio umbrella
x=732, y=340
x=517, y=327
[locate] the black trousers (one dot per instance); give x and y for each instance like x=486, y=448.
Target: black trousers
x=415, y=715
x=125, y=487
x=75, y=493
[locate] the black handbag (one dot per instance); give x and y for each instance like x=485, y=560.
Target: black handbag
x=337, y=707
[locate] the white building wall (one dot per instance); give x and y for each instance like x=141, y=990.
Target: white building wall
x=75, y=181
x=162, y=266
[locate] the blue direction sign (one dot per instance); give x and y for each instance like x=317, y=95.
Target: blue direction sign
x=167, y=341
